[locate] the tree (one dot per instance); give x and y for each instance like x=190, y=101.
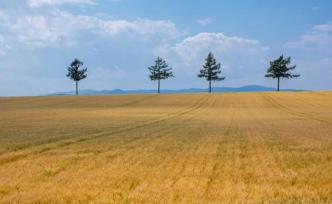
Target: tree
x=279, y=69
x=211, y=70
x=75, y=73
x=159, y=71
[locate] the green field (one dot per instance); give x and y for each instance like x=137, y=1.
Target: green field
x=176, y=148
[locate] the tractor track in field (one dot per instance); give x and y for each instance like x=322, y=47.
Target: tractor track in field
x=285, y=109
x=297, y=101
x=126, y=104
x=181, y=168
x=218, y=148
x=162, y=131
x=68, y=135
x=136, y=101
x=171, y=116
x=267, y=153
x=144, y=124
x=216, y=167
x=324, y=95
x=254, y=136
x=156, y=133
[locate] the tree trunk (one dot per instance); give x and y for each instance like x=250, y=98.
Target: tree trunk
x=76, y=88
x=278, y=84
x=158, y=86
x=210, y=86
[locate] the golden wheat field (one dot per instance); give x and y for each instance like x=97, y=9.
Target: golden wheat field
x=176, y=148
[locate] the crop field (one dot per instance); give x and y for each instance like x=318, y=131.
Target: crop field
x=171, y=148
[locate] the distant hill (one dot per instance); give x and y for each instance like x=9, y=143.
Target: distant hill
x=249, y=88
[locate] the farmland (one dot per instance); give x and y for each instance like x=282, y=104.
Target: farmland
x=176, y=148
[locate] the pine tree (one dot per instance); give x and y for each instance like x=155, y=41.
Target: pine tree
x=211, y=70
x=159, y=71
x=75, y=73
x=279, y=69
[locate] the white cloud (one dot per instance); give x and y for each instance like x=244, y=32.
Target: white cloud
x=204, y=21
x=3, y=45
x=199, y=45
x=61, y=27
x=4, y=18
x=3, y=15
x=312, y=40
x=318, y=38
x=141, y=26
x=323, y=27
x=39, y=30
x=237, y=55
x=313, y=54
x=38, y=3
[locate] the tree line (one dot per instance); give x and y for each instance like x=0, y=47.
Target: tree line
x=211, y=71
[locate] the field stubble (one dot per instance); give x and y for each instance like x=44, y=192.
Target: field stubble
x=190, y=148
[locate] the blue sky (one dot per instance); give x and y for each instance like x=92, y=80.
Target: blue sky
x=118, y=39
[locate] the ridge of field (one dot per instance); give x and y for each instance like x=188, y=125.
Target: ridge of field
x=172, y=148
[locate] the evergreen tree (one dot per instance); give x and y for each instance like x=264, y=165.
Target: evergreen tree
x=159, y=71
x=75, y=73
x=279, y=69
x=211, y=70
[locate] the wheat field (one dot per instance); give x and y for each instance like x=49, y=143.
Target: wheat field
x=172, y=148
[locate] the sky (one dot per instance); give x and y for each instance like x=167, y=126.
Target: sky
x=119, y=39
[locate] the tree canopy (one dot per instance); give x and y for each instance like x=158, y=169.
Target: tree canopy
x=211, y=70
x=279, y=68
x=74, y=71
x=159, y=71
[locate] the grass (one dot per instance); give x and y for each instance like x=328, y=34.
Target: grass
x=189, y=148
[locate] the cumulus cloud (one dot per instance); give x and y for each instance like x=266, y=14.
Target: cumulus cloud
x=39, y=41
x=199, y=45
x=38, y=3
x=237, y=55
x=204, y=21
x=39, y=30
